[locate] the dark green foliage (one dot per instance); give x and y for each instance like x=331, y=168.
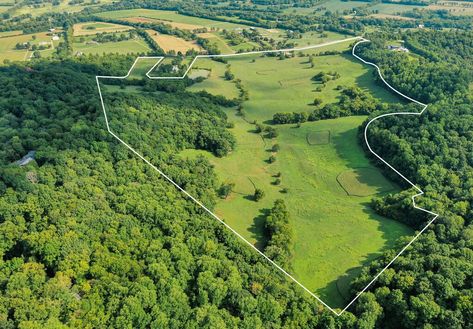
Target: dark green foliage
x=99, y=239
x=258, y=195
x=280, y=234
x=225, y=190
x=430, y=284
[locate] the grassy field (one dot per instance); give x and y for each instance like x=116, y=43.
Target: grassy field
x=459, y=8
x=330, y=182
x=169, y=42
x=47, y=7
x=222, y=45
x=8, y=51
x=335, y=233
x=182, y=26
x=169, y=16
x=133, y=46
x=325, y=178
x=215, y=83
x=289, y=81
x=10, y=33
x=90, y=28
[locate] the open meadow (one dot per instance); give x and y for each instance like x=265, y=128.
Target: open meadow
x=89, y=28
x=168, y=16
x=84, y=44
x=320, y=170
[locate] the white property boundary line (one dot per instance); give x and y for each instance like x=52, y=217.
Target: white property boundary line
x=160, y=58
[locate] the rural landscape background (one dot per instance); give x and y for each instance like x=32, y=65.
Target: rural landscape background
x=271, y=142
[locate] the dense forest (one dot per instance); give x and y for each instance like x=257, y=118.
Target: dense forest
x=431, y=283
x=92, y=237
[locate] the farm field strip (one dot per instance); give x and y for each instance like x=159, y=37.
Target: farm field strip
x=228, y=226
x=81, y=29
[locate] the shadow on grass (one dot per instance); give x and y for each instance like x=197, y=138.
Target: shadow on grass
x=339, y=292
x=257, y=229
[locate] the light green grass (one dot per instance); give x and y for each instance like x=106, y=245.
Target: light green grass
x=363, y=182
x=168, y=15
x=142, y=66
x=335, y=233
x=132, y=46
x=215, y=83
x=318, y=137
x=289, y=84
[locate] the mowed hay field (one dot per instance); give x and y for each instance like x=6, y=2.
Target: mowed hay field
x=169, y=16
x=182, y=26
x=169, y=42
x=84, y=44
x=335, y=232
x=90, y=28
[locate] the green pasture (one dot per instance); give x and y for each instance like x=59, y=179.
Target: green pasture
x=136, y=46
x=325, y=178
x=336, y=231
x=289, y=84
x=170, y=16
x=9, y=52
x=215, y=83
x=313, y=38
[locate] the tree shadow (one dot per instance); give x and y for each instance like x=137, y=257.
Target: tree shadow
x=257, y=229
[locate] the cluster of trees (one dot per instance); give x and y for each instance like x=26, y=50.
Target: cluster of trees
x=114, y=37
x=280, y=234
x=353, y=101
x=323, y=77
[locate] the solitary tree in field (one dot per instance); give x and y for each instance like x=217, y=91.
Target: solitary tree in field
x=259, y=194
x=225, y=190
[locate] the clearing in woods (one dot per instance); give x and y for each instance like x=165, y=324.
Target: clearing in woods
x=321, y=171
